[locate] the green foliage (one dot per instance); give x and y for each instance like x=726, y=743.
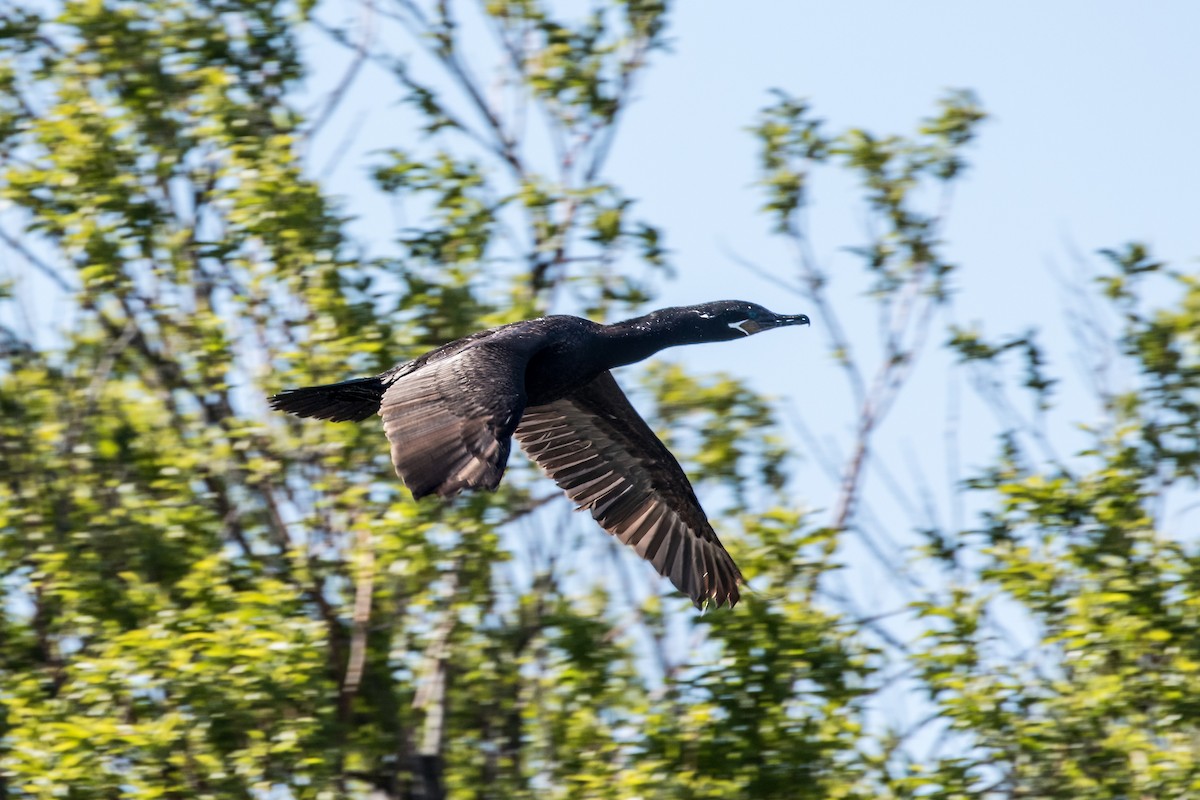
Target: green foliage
x=1097, y=707
x=202, y=599
x=892, y=169
x=1055, y=650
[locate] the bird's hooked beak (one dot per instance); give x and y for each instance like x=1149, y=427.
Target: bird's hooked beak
x=751, y=326
x=790, y=319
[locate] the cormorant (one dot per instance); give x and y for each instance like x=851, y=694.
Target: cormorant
x=450, y=415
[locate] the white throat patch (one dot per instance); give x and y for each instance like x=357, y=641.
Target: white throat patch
x=737, y=326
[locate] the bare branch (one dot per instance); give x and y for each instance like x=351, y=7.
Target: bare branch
x=431, y=696
x=363, y=589
x=814, y=282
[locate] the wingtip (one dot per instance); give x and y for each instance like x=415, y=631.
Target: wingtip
x=716, y=598
x=723, y=591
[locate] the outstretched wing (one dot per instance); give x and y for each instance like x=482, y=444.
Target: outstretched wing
x=598, y=449
x=450, y=422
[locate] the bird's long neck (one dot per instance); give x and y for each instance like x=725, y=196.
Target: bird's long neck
x=636, y=339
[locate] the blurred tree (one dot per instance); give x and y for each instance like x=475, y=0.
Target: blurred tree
x=1054, y=641
x=1080, y=552
x=205, y=600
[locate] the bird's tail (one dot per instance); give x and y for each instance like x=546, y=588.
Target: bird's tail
x=348, y=401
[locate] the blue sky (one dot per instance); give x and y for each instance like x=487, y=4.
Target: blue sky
x=1092, y=139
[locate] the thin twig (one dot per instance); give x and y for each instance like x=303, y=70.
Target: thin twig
x=343, y=87
x=422, y=32
x=37, y=263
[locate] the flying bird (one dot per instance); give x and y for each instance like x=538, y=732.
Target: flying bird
x=450, y=416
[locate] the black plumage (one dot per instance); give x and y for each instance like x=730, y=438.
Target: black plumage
x=451, y=414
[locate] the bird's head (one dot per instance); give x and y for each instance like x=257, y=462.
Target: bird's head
x=724, y=320
x=720, y=321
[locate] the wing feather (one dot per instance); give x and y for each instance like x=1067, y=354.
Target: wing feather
x=450, y=422
x=598, y=449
